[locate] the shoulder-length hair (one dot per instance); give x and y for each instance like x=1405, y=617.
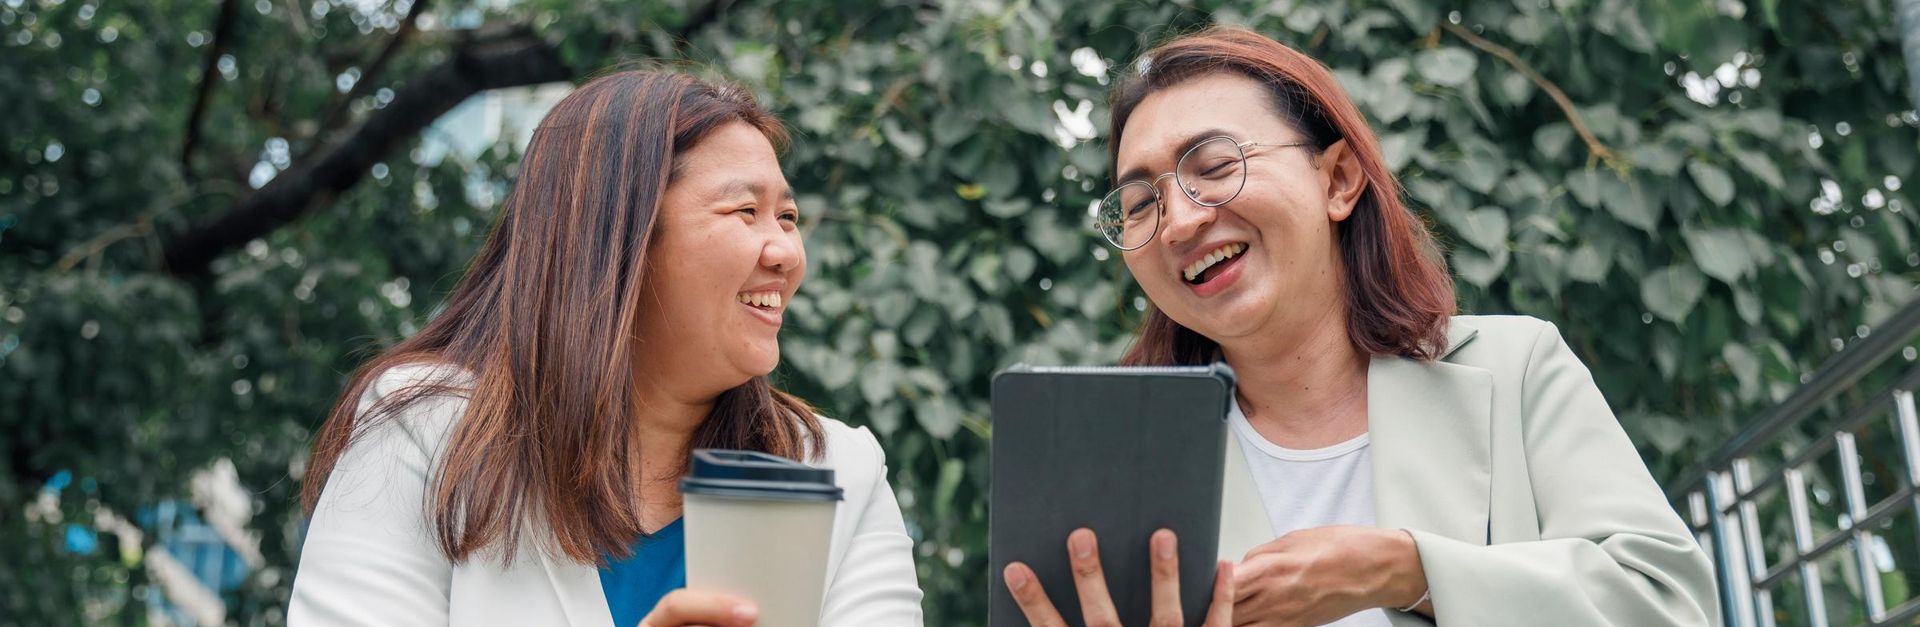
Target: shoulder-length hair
x=1399, y=294
x=544, y=320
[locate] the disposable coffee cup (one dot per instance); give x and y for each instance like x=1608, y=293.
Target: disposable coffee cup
x=758, y=527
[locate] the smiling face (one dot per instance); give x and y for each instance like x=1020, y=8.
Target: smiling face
x=1265, y=264
x=725, y=259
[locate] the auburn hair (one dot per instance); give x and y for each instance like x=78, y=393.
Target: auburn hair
x=1398, y=292
x=543, y=322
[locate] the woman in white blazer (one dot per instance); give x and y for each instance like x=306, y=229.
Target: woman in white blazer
x=1390, y=463
x=516, y=461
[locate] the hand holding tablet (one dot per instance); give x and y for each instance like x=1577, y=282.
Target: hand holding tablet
x=1115, y=462
x=1096, y=605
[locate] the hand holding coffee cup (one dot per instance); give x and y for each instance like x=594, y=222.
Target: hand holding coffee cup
x=758, y=530
x=688, y=608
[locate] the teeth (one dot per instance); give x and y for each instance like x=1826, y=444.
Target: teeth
x=1223, y=253
x=759, y=299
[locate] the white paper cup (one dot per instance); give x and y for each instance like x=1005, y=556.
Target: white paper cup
x=758, y=527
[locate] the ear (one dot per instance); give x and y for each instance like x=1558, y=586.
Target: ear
x=1346, y=181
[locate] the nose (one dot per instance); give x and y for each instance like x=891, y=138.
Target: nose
x=1183, y=218
x=783, y=251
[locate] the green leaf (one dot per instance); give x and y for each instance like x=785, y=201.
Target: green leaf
x=1529, y=28
x=1747, y=304
x=877, y=381
x=1485, y=227
x=1671, y=293
x=1666, y=433
x=1589, y=264
x=1419, y=14
x=938, y=415
x=1663, y=159
x=1630, y=204
x=985, y=270
x=1514, y=88
x=1447, y=67
x=1020, y=263
x=909, y=143
x=1551, y=140
x=1390, y=102
x=1008, y=208
x=1712, y=181
x=951, y=126
x=1585, y=187
x=1746, y=369
x=1721, y=253
x=998, y=325
x=1760, y=167
x=1480, y=268
x=951, y=472
x=1482, y=167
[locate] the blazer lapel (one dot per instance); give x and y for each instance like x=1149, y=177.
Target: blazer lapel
x=1243, y=518
x=1431, y=443
x=1430, y=427
x=576, y=587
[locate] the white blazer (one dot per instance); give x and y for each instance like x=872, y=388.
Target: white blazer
x=1527, y=500
x=369, y=558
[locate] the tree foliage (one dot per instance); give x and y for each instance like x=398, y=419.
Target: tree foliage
x=1712, y=189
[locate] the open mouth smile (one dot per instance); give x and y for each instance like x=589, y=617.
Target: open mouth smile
x=1210, y=267
x=766, y=305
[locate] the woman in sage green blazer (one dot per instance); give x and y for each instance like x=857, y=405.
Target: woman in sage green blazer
x=1392, y=464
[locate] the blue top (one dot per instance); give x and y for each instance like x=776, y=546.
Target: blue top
x=658, y=566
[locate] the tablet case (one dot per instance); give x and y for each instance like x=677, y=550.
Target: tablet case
x=1124, y=451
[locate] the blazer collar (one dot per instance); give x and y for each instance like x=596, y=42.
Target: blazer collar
x=1459, y=332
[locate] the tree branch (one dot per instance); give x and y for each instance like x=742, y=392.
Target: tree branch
x=1596, y=149
x=516, y=59
x=209, y=72
x=513, y=60
x=337, y=112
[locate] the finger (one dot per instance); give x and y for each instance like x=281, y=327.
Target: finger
x=1096, y=605
x=691, y=607
x=1166, y=579
x=1032, y=599
x=1246, y=574
x=1220, y=611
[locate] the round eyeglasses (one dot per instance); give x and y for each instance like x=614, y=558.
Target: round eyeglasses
x=1211, y=173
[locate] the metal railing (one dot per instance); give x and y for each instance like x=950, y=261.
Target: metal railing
x=1847, y=491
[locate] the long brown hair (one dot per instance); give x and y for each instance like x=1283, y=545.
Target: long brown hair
x=543, y=322
x=1399, y=295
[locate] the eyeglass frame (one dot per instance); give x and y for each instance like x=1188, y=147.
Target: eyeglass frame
x=1159, y=200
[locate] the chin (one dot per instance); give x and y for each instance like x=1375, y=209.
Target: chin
x=760, y=362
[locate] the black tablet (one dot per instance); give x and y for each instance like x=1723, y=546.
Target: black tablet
x=1122, y=451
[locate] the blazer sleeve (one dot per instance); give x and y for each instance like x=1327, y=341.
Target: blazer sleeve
x=876, y=585
x=369, y=558
x=1612, y=551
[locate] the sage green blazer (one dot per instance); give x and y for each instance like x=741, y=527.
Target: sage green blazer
x=1529, y=504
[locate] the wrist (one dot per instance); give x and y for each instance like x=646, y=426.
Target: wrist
x=1406, y=583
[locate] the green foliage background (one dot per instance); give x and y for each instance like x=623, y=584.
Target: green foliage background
x=1700, y=257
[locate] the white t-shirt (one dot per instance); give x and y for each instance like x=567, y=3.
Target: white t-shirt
x=1302, y=489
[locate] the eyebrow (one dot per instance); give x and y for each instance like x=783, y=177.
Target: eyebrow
x=737, y=187
x=1141, y=172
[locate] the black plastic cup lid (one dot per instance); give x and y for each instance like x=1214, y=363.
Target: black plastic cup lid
x=755, y=475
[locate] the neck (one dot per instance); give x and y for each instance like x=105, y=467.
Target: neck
x=667, y=421
x=1305, y=389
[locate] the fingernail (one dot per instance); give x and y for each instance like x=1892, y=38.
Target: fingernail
x=1082, y=546
x=1166, y=547
x=746, y=612
x=1016, y=578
